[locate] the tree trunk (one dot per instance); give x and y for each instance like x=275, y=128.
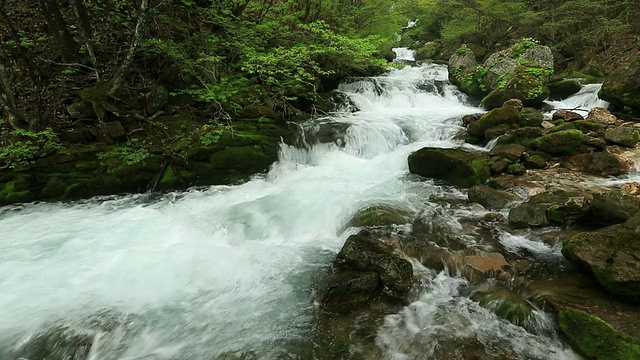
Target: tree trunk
x=80, y=11
x=8, y=101
x=59, y=32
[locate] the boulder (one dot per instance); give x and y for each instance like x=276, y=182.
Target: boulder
x=560, y=90
x=566, y=115
x=114, y=130
x=58, y=343
x=81, y=110
x=513, y=152
x=503, y=63
x=624, y=135
x=632, y=188
x=157, y=99
x=479, y=267
x=517, y=103
x=534, y=161
x=505, y=303
x=530, y=117
x=622, y=85
x=516, y=169
x=490, y=198
x=613, y=207
x=380, y=215
x=364, y=252
x=476, y=130
x=526, y=83
x=564, y=207
x=602, y=116
x=564, y=142
x=345, y=290
x=506, y=115
x=612, y=255
x=454, y=166
x=595, y=338
x=528, y=215
x=599, y=163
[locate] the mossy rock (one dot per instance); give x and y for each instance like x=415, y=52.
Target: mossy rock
x=623, y=135
x=505, y=115
x=507, y=305
x=560, y=90
x=380, y=215
x=565, y=142
x=58, y=343
x=622, y=85
x=527, y=83
x=530, y=117
x=595, y=338
x=490, y=198
x=611, y=254
x=454, y=166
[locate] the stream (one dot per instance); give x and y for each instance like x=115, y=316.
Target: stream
x=233, y=269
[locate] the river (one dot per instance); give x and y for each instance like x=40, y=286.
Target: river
x=194, y=274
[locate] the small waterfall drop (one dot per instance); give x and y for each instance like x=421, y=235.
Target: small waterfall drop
x=582, y=101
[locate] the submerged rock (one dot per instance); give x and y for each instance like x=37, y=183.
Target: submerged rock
x=380, y=215
x=612, y=255
x=490, y=198
x=345, y=290
x=454, y=166
x=58, y=343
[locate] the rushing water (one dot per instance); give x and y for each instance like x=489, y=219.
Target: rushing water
x=582, y=101
x=231, y=268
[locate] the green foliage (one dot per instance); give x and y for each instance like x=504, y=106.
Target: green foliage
x=128, y=153
x=519, y=49
x=211, y=134
x=462, y=49
x=27, y=146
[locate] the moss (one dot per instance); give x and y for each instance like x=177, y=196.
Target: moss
x=555, y=214
x=595, y=338
x=586, y=126
x=380, y=215
x=564, y=142
x=562, y=127
x=500, y=116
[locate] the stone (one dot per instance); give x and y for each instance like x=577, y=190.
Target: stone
x=632, y=188
x=114, y=130
x=345, y=290
x=479, y=267
x=454, y=166
x=58, y=343
x=517, y=103
x=547, y=125
x=621, y=86
x=494, y=218
x=528, y=215
x=157, y=99
x=468, y=119
x=595, y=338
x=566, y=115
x=613, y=207
x=564, y=207
x=596, y=142
x=491, y=198
x=380, y=215
x=560, y=90
x=623, y=135
x=496, y=132
x=81, y=110
x=516, y=169
x=513, y=152
x=531, y=117
x=527, y=83
x=505, y=303
x=499, y=165
x=507, y=115
x=476, y=130
x=564, y=142
x=364, y=252
x=602, y=116
x=599, y=163
x=612, y=255
x=534, y=161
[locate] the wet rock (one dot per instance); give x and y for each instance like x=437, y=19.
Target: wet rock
x=468, y=119
x=632, y=188
x=496, y=132
x=479, y=267
x=534, y=161
x=454, y=166
x=380, y=215
x=476, y=130
x=613, y=207
x=513, y=152
x=602, y=116
x=621, y=85
x=560, y=90
x=494, y=218
x=623, y=135
x=612, y=255
x=564, y=142
x=564, y=207
x=596, y=142
x=157, y=99
x=506, y=303
x=363, y=252
x=599, y=163
x=528, y=215
x=490, y=198
x=506, y=115
x=595, y=338
x=345, y=290
x=499, y=165
x=516, y=169
x=566, y=115
x=527, y=83
x=58, y=343
x=531, y=117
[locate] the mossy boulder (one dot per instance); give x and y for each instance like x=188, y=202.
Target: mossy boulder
x=624, y=135
x=613, y=207
x=596, y=339
x=564, y=207
x=513, y=152
x=622, y=85
x=505, y=115
x=612, y=255
x=527, y=83
x=528, y=215
x=505, y=303
x=365, y=252
x=599, y=163
x=564, y=142
x=345, y=290
x=490, y=198
x=530, y=117
x=562, y=89
x=454, y=166
x=58, y=343
x=380, y=215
